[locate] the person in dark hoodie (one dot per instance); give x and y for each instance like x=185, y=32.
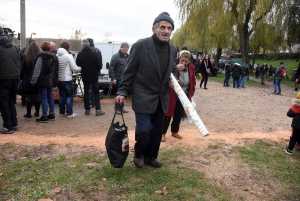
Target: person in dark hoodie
x=294, y=112
x=45, y=77
x=9, y=80
x=117, y=66
x=236, y=72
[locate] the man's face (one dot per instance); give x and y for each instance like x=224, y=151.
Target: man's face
x=52, y=47
x=163, y=31
x=124, y=49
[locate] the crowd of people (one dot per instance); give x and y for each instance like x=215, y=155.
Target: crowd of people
x=144, y=73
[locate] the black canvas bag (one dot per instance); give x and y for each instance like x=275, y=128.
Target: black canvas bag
x=117, y=142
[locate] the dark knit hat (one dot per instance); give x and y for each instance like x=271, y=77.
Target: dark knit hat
x=164, y=16
x=91, y=41
x=124, y=44
x=1, y=31
x=85, y=42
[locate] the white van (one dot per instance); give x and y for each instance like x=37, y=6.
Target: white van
x=108, y=49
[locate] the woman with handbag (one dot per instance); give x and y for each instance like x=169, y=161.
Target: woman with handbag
x=205, y=69
x=187, y=81
x=27, y=67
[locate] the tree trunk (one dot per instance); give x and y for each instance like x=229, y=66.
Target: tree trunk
x=244, y=41
x=218, y=56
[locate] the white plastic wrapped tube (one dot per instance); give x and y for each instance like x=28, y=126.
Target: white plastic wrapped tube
x=188, y=107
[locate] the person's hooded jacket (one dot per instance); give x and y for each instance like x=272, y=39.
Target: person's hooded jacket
x=236, y=71
x=294, y=112
x=9, y=59
x=66, y=65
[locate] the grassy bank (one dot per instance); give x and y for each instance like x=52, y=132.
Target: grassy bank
x=90, y=176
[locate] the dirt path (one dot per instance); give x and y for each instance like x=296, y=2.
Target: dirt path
x=229, y=114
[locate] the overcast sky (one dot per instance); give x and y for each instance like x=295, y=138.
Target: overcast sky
x=124, y=20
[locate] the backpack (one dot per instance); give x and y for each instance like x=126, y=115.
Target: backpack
x=282, y=72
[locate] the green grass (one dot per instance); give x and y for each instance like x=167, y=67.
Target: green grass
x=270, y=162
x=28, y=179
x=289, y=64
x=32, y=179
x=221, y=76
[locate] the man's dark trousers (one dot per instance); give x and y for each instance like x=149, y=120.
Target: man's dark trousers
x=95, y=87
x=8, y=93
x=148, y=133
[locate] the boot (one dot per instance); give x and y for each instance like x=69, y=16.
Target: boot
x=37, y=108
x=28, y=108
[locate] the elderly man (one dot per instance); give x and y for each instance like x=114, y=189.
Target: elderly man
x=90, y=64
x=117, y=66
x=147, y=76
x=9, y=79
x=53, y=48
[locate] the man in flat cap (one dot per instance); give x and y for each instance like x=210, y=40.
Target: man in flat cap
x=147, y=76
x=117, y=66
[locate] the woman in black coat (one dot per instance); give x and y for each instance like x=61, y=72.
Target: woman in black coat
x=205, y=69
x=27, y=67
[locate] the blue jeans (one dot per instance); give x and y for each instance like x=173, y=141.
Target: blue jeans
x=148, y=133
x=277, y=86
x=66, y=96
x=236, y=82
x=243, y=80
x=227, y=77
x=46, y=98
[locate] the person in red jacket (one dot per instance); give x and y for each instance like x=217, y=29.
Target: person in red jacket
x=187, y=81
x=294, y=112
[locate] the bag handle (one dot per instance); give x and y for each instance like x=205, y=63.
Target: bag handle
x=118, y=106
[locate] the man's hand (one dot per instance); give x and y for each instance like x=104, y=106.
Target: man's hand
x=114, y=81
x=120, y=99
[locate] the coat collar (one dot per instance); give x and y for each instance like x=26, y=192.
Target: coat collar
x=153, y=56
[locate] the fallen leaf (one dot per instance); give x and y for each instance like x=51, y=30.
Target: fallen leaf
x=162, y=192
x=37, y=158
x=139, y=185
x=91, y=165
x=56, y=190
x=1, y=174
x=73, y=166
x=45, y=199
x=103, y=179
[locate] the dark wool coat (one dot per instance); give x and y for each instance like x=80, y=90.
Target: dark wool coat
x=202, y=68
x=143, y=77
x=25, y=76
x=294, y=112
x=90, y=64
x=173, y=96
x=49, y=70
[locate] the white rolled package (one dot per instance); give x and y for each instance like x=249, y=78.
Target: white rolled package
x=188, y=107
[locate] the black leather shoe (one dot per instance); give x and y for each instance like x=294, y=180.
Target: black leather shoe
x=153, y=162
x=138, y=161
